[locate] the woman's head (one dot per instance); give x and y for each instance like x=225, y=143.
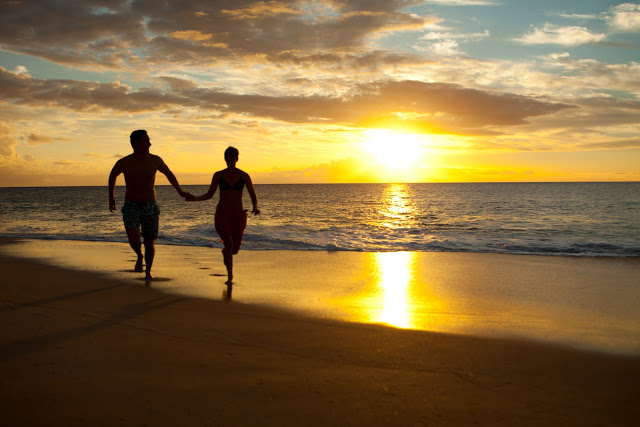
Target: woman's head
x=231, y=153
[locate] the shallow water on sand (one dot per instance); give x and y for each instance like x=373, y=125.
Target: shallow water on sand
x=577, y=219
x=580, y=302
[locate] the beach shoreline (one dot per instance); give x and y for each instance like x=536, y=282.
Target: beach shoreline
x=585, y=303
x=82, y=347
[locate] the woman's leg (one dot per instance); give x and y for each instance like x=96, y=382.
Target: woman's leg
x=227, y=257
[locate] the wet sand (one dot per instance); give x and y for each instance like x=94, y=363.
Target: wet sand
x=100, y=348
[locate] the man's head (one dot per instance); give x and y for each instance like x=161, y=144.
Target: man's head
x=137, y=135
x=231, y=153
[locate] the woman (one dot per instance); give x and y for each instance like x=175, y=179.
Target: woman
x=231, y=218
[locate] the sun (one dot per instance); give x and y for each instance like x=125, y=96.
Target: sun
x=393, y=150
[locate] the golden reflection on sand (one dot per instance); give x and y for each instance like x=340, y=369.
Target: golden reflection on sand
x=397, y=291
x=394, y=273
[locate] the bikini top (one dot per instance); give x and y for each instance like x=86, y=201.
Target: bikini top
x=224, y=184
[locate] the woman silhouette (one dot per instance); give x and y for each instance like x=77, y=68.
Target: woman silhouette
x=230, y=218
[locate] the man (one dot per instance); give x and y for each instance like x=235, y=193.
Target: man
x=140, y=207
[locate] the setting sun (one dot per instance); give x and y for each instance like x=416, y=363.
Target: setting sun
x=393, y=150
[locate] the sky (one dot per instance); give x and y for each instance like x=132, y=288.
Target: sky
x=322, y=91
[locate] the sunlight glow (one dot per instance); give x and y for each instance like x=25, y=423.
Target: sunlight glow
x=395, y=273
x=396, y=208
x=395, y=270
x=393, y=150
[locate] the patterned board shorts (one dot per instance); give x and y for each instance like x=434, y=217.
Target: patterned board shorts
x=145, y=214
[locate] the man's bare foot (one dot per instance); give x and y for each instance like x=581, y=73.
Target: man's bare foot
x=138, y=267
x=229, y=281
x=148, y=277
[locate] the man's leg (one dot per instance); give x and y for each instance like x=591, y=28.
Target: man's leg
x=134, y=240
x=149, y=254
x=150, y=221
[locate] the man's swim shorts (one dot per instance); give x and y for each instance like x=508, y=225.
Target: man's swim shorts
x=145, y=214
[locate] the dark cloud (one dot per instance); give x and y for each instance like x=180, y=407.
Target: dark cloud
x=72, y=31
x=123, y=33
x=67, y=163
x=421, y=107
x=612, y=145
x=593, y=114
x=34, y=139
x=83, y=96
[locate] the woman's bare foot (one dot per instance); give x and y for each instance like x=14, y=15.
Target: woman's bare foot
x=138, y=267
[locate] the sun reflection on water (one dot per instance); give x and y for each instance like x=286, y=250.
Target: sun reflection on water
x=396, y=208
x=395, y=290
x=394, y=271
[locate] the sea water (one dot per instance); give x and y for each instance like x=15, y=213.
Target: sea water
x=575, y=219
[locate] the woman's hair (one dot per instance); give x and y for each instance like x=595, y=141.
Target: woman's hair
x=231, y=152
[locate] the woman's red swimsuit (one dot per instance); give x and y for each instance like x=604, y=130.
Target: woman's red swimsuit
x=228, y=220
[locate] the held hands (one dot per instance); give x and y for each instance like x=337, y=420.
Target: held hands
x=189, y=197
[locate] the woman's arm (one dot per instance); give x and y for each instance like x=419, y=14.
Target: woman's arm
x=212, y=189
x=252, y=194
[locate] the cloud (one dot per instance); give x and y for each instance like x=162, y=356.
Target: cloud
x=34, y=139
x=262, y=9
x=612, y=145
x=16, y=169
x=21, y=70
x=625, y=17
x=145, y=33
x=566, y=36
x=423, y=107
x=590, y=77
x=344, y=171
x=7, y=141
x=42, y=29
x=191, y=35
x=445, y=43
x=66, y=162
x=580, y=16
x=82, y=96
x=466, y=2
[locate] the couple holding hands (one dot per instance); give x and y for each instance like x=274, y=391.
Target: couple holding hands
x=140, y=210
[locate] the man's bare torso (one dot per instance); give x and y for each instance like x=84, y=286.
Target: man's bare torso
x=140, y=176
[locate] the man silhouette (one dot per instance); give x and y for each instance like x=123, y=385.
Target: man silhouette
x=140, y=209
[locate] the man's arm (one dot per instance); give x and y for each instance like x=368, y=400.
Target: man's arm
x=117, y=170
x=172, y=178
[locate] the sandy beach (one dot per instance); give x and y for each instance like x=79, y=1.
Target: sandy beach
x=85, y=342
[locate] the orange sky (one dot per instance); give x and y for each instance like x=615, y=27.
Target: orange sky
x=323, y=91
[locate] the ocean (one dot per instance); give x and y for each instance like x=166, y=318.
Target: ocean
x=571, y=219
